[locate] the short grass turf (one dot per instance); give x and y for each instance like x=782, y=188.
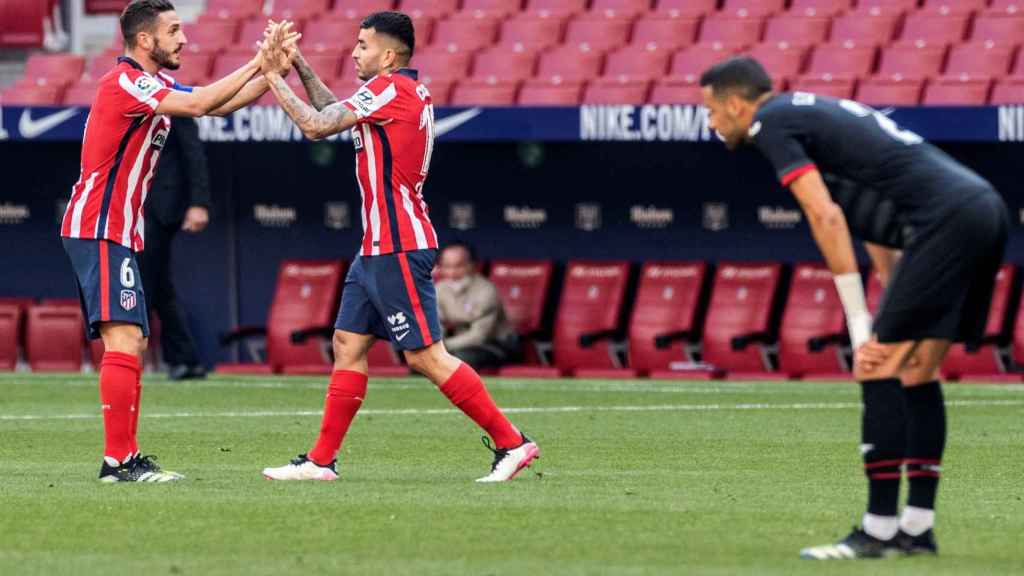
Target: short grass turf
x=637, y=477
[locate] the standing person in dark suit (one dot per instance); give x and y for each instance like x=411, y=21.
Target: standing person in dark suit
x=179, y=200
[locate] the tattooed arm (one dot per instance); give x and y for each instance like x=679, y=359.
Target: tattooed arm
x=319, y=95
x=315, y=124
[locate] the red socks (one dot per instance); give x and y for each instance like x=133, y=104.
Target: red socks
x=466, y=391
x=119, y=376
x=344, y=397
x=135, y=408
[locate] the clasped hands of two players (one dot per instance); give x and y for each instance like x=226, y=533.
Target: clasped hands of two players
x=278, y=49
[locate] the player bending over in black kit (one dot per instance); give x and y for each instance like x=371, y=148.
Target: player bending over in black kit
x=899, y=194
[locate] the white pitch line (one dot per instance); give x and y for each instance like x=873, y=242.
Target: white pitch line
x=521, y=410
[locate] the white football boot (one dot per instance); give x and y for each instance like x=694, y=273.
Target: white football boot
x=510, y=461
x=302, y=468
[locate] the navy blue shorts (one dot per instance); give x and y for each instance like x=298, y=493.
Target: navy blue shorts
x=109, y=284
x=392, y=297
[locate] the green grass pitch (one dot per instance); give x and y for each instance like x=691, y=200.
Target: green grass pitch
x=637, y=477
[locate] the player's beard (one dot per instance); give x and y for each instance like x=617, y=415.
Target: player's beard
x=164, y=58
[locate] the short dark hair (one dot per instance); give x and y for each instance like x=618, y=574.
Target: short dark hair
x=394, y=24
x=740, y=75
x=141, y=15
x=460, y=244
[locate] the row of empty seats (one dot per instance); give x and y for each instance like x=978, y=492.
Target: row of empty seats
x=499, y=52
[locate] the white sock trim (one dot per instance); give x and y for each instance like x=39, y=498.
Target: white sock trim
x=881, y=527
x=916, y=521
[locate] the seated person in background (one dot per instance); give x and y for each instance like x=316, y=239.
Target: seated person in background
x=476, y=329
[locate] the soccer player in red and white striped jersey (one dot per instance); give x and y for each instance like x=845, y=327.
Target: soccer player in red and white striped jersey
x=389, y=292
x=103, y=225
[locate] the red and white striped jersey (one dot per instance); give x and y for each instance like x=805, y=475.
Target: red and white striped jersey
x=393, y=141
x=122, y=143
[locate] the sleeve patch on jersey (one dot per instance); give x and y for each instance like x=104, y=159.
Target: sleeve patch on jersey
x=146, y=85
x=364, y=102
x=797, y=172
x=803, y=99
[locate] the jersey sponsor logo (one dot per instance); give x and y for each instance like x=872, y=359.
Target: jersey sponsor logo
x=803, y=99
x=397, y=318
x=399, y=325
x=128, y=300
x=400, y=337
x=31, y=128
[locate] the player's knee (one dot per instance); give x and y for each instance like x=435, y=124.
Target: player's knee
x=419, y=362
x=128, y=340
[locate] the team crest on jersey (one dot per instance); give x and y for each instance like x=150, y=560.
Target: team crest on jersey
x=128, y=300
x=146, y=85
x=357, y=139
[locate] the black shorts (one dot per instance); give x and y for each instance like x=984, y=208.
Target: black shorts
x=109, y=284
x=942, y=286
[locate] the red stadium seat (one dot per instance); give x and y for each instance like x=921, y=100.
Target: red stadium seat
x=431, y=8
x=731, y=30
x=531, y=33
x=676, y=90
x=825, y=85
x=620, y=8
x=554, y=91
x=492, y=8
x=796, y=30
x=440, y=89
x=54, y=338
x=598, y=33
x=359, y=9
x=1017, y=347
x=617, y=90
x=986, y=361
x=981, y=59
x=21, y=23
x=864, y=28
x=329, y=35
x=55, y=69
x=490, y=91
x=305, y=298
x=813, y=325
x=579, y=62
x=693, y=61
x=845, y=59
x=195, y=69
x=890, y=91
x=1001, y=28
x=442, y=64
x=81, y=94
x=912, y=60
x=10, y=335
x=960, y=90
x=589, y=314
x=228, y=62
x=26, y=95
x=231, y=9
x=955, y=6
x=523, y=286
x=424, y=26
x=555, y=8
x=684, y=8
x=739, y=318
x=759, y=8
x=211, y=35
x=647, y=62
x=935, y=27
x=780, y=59
x=896, y=5
x=819, y=8
x=505, y=64
x=104, y=62
x=1009, y=91
x=665, y=33
x=466, y=34
x=665, y=320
